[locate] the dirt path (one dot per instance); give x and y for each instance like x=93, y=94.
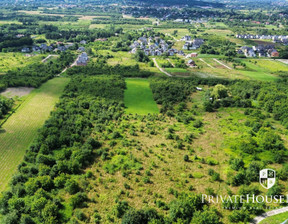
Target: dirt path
x=49, y=56
x=65, y=69
x=263, y=216
x=161, y=69
x=206, y=63
x=226, y=66
x=168, y=59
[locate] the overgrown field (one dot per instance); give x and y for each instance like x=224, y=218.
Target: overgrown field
x=10, y=61
x=21, y=128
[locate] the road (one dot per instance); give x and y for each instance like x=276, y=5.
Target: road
x=263, y=216
x=161, y=69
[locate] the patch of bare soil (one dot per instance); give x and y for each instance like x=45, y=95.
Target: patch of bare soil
x=16, y=91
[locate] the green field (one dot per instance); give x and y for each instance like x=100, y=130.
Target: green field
x=138, y=97
x=258, y=71
x=277, y=219
x=21, y=128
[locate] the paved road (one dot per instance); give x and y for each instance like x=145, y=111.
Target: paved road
x=222, y=63
x=161, y=69
x=263, y=216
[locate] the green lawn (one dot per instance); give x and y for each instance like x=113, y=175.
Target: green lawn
x=259, y=76
x=21, y=128
x=277, y=219
x=138, y=97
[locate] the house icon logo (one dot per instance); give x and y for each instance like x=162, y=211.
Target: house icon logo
x=267, y=178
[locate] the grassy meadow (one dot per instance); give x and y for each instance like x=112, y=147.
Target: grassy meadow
x=21, y=128
x=138, y=97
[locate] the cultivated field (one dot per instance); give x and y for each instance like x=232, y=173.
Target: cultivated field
x=138, y=97
x=21, y=128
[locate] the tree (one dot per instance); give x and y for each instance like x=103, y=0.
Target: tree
x=219, y=92
x=140, y=56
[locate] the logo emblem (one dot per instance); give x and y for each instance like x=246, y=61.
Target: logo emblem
x=267, y=178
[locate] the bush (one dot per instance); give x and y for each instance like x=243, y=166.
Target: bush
x=78, y=199
x=72, y=187
x=186, y=158
x=236, y=164
x=120, y=208
x=239, y=216
x=184, y=207
x=133, y=216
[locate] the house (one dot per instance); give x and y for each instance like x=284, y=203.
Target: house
x=194, y=55
x=186, y=46
x=251, y=53
x=240, y=51
x=199, y=89
x=81, y=49
x=25, y=50
x=82, y=60
x=191, y=63
x=147, y=52
x=261, y=54
x=134, y=50
x=36, y=48
x=83, y=42
x=273, y=53
x=186, y=38
x=198, y=42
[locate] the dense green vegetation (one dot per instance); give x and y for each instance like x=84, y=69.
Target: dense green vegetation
x=36, y=74
x=5, y=106
x=126, y=143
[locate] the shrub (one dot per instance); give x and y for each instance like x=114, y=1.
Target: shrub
x=186, y=158
x=72, y=186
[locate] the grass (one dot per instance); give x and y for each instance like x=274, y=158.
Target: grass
x=21, y=128
x=277, y=219
x=257, y=72
x=272, y=66
x=138, y=97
